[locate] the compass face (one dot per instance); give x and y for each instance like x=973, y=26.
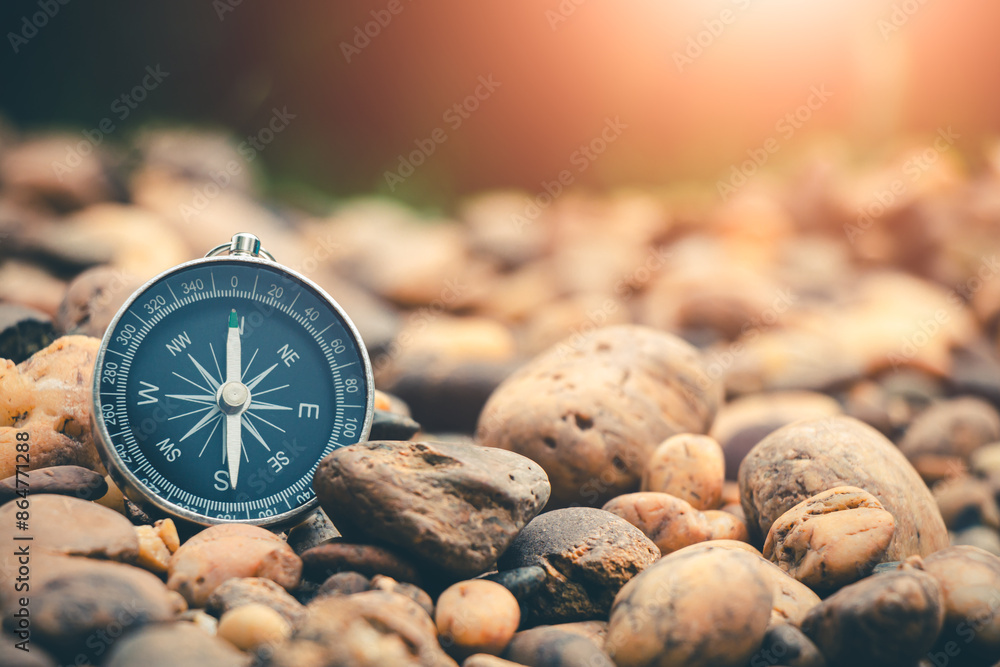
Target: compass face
x=222, y=384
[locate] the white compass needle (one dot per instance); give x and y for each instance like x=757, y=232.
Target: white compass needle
x=233, y=421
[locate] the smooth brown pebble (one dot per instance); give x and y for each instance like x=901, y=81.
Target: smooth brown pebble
x=671, y=523
x=252, y=625
x=687, y=466
x=476, y=616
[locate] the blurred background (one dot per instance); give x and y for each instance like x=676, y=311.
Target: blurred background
x=698, y=84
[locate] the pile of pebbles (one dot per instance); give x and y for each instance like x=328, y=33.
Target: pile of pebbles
x=640, y=429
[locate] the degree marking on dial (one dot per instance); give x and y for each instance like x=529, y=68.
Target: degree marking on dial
x=320, y=333
x=140, y=319
x=292, y=304
x=255, y=279
x=172, y=293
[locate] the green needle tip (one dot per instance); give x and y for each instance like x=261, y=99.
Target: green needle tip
x=233, y=321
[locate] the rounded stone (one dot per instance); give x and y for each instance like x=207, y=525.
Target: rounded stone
x=49, y=397
x=325, y=560
x=23, y=331
x=254, y=590
x=251, y=625
x=723, y=525
x=344, y=583
x=73, y=481
x=831, y=539
x=955, y=427
x=174, y=645
x=455, y=507
x=551, y=646
x=587, y=554
x=92, y=299
x=886, y=620
x=787, y=645
x=970, y=585
x=687, y=466
x=476, y=616
x=72, y=527
x=697, y=609
x=810, y=456
x=669, y=522
x=522, y=582
x=592, y=409
x=229, y=551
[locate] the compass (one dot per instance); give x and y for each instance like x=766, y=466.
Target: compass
x=222, y=383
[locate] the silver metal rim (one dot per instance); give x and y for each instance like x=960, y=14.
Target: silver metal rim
x=126, y=480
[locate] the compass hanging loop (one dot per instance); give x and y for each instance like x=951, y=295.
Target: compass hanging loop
x=243, y=243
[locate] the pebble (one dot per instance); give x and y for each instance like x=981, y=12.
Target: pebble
x=954, y=428
x=249, y=626
x=327, y=559
x=791, y=599
x=687, y=466
x=550, y=646
x=886, y=620
x=522, y=582
x=254, y=590
x=697, y=609
x=745, y=421
x=966, y=501
x=344, y=583
x=476, y=616
x=724, y=525
x=167, y=531
x=587, y=554
x=671, y=523
x=80, y=605
x=786, y=645
x=153, y=553
x=392, y=426
x=314, y=531
x=92, y=299
x=26, y=169
x=985, y=538
x=72, y=527
x=810, y=456
x=370, y=629
x=970, y=587
x=592, y=409
x=487, y=660
x=49, y=396
x=831, y=539
x=60, y=480
x=380, y=582
x=23, y=331
x=456, y=507
x=174, y=645
x=12, y=656
x=228, y=551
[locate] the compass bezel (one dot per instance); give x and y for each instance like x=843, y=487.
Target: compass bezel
x=130, y=484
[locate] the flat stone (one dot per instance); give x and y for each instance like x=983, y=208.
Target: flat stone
x=175, y=645
x=550, y=646
x=73, y=527
x=72, y=481
x=370, y=629
x=254, y=590
x=230, y=551
x=456, y=507
x=78, y=605
x=392, y=426
x=325, y=560
x=587, y=554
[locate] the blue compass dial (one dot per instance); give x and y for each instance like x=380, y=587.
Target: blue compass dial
x=221, y=386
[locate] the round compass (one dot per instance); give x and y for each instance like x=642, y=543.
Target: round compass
x=222, y=383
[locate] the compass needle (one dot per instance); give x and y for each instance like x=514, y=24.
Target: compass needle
x=219, y=427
